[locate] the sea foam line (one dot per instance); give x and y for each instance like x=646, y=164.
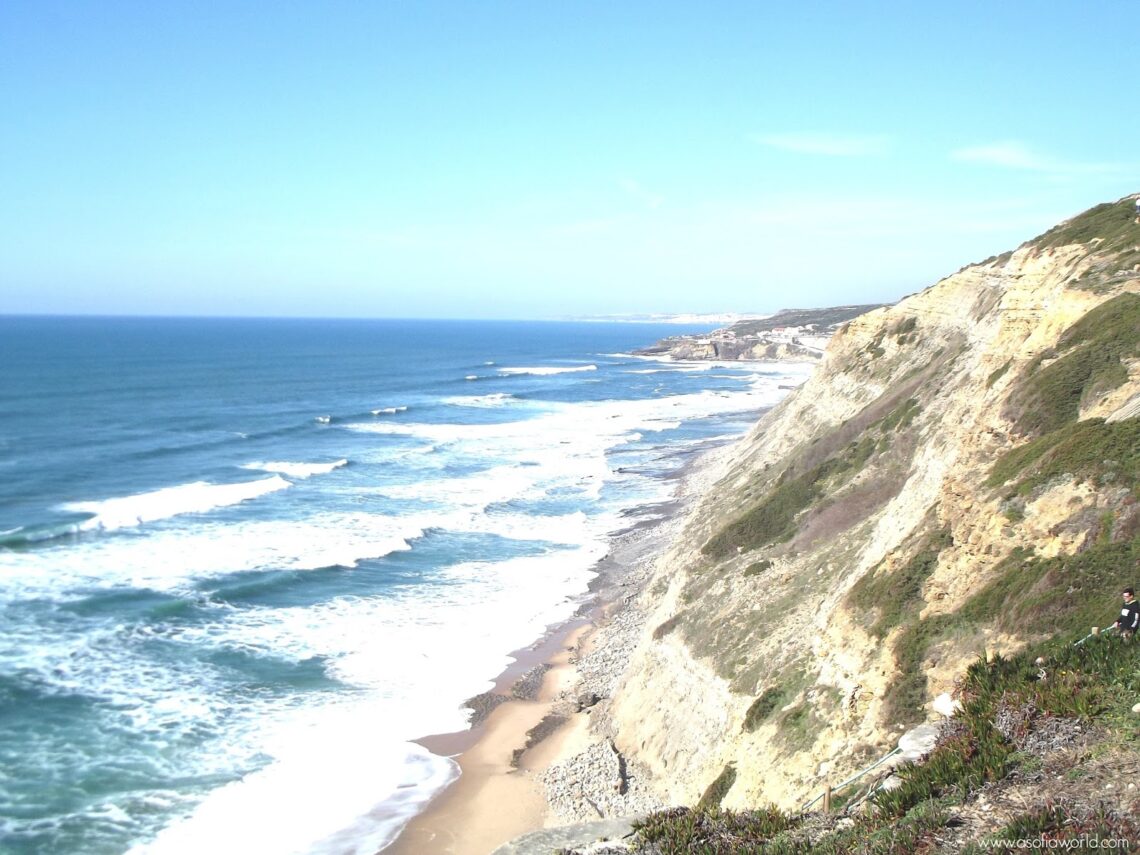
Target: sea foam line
x=295, y=470
x=542, y=371
x=495, y=399
x=195, y=498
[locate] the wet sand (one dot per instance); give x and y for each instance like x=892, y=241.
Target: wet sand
x=493, y=800
x=499, y=794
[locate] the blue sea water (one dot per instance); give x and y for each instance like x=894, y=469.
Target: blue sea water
x=244, y=562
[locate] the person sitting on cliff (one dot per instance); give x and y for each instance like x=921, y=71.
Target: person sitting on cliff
x=1129, y=618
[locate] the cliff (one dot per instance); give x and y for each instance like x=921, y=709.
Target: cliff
x=958, y=475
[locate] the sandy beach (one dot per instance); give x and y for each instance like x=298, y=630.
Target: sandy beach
x=538, y=753
x=497, y=796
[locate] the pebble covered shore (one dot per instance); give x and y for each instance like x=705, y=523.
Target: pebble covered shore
x=598, y=782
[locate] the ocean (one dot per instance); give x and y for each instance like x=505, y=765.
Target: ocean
x=244, y=562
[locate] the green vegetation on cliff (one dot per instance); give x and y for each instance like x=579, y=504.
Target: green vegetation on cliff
x=1091, y=450
x=806, y=523
x=1008, y=705
x=824, y=319
x=1028, y=597
x=716, y=791
x=894, y=596
x=1087, y=364
x=762, y=708
x=773, y=519
x=1111, y=225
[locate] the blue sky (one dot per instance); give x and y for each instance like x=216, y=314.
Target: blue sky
x=531, y=159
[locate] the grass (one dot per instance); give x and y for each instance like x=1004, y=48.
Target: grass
x=1095, y=682
x=1049, y=825
x=1013, y=509
x=997, y=374
x=906, y=694
x=895, y=596
x=772, y=520
x=666, y=627
x=914, y=833
x=1088, y=364
x=762, y=708
x=716, y=791
x=797, y=728
x=999, y=259
x=1029, y=597
x=758, y=567
x=901, y=416
x=1032, y=596
x=1110, y=223
x=681, y=831
x=1082, y=682
x=822, y=318
x=1091, y=450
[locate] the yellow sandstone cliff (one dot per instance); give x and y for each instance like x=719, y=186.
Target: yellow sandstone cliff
x=879, y=529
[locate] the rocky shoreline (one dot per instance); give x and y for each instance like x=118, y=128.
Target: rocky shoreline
x=596, y=782
x=592, y=791
x=557, y=753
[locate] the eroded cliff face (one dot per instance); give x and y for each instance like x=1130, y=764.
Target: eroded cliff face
x=954, y=478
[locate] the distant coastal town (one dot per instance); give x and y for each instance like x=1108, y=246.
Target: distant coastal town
x=790, y=334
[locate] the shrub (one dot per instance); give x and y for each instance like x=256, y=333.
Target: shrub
x=1049, y=397
x=1055, y=823
x=1089, y=450
x=1032, y=596
x=901, y=416
x=907, y=691
x=997, y=374
x=716, y=791
x=772, y=520
x=1110, y=222
x=763, y=707
x=681, y=831
x=758, y=567
x=896, y=595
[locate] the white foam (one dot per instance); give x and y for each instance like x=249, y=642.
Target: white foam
x=171, y=559
x=496, y=399
x=298, y=471
x=389, y=411
x=471, y=377
x=470, y=492
x=559, y=447
x=324, y=420
x=340, y=776
x=319, y=796
x=575, y=529
x=401, y=650
x=545, y=370
x=198, y=497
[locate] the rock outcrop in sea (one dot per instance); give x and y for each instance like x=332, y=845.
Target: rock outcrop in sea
x=790, y=335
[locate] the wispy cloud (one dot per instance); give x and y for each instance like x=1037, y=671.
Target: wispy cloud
x=827, y=145
x=1011, y=154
